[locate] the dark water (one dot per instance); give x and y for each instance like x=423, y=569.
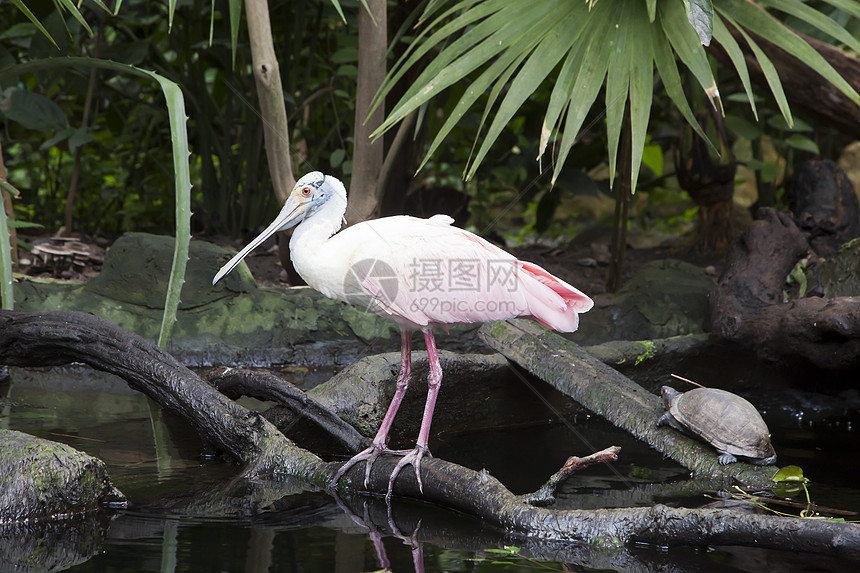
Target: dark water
x=180, y=516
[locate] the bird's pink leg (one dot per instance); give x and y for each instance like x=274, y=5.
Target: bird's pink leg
x=378, y=445
x=434, y=381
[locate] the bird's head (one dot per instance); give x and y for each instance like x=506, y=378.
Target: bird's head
x=307, y=198
x=309, y=194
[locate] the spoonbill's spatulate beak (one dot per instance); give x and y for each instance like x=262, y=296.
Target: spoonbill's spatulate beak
x=291, y=215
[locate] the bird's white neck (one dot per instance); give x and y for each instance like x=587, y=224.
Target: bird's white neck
x=308, y=244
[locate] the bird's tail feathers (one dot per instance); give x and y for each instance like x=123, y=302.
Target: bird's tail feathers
x=558, y=309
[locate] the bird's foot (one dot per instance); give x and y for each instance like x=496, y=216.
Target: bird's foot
x=368, y=456
x=412, y=458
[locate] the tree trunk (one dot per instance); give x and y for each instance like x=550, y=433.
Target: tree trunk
x=747, y=306
x=364, y=189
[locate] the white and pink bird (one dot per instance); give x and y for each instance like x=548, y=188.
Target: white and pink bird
x=420, y=273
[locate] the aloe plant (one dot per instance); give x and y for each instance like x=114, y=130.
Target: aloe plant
x=182, y=177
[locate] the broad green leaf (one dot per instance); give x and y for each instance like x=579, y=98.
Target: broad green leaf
x=802, y=143
x=61, y=135
x=79, y=137
x=730, y=45
x=35, y=111
x=685, y=42
x=814, y=18
x=790, y=473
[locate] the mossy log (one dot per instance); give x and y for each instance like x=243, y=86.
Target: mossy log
x=608, y=393
x=62, y=337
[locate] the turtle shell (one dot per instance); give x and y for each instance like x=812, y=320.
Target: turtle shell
x=725, y=420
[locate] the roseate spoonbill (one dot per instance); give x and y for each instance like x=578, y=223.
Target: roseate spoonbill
x=420, y=273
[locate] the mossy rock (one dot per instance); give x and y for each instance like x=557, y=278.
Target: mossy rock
x=137, y=269
x=41, y=479
x=665, y=298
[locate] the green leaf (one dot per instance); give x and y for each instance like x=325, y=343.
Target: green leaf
x=30, y=16
x=742, y=127
x=685, y=42
x=770, y=74
x=770, y=171
x=34, y=111
x=668, y=70
x=617, y=82
x=76, y=14
x=652, y=158
x=79, y=136
x=61, y=135
x=595, y=61
x=554, y=44
x=790, y=474
x=16, y=224
x=337, y=157
x=701, y=18
x=802, y=143
x=641, y=64
x=235, y=7
x=774, y=31
x=730, y=45
x=7, y=292
x=816, y=19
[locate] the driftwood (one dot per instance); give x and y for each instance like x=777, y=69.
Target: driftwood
x=747, y=306
x=62, y=337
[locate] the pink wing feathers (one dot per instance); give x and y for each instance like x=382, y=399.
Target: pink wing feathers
x=446, y=275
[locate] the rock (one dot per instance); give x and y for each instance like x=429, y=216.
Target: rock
x=665, y=298
x=40, y=479
x=137, y=268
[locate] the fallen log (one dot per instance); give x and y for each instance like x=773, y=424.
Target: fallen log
x=606, y=392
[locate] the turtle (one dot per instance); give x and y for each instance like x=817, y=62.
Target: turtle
x=725, y=420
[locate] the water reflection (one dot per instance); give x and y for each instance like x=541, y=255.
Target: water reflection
x=191, y=513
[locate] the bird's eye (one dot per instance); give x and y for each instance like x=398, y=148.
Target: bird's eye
x=306, y=191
